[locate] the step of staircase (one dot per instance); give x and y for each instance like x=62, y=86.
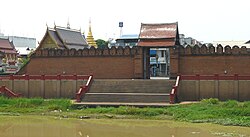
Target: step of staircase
x=118, y=104
x=129, y=91
x=132, y=86
x=127, y=97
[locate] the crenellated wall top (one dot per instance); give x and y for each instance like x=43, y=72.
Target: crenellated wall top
x=89, y=52
x=211, y=50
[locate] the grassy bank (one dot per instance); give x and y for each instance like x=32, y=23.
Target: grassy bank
x=209, y=110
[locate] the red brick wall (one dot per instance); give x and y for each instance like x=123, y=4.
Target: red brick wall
x=108, y=63
x=215, y=65
x=206, y=61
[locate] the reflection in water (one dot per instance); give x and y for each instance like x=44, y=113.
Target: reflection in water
x=54, y=127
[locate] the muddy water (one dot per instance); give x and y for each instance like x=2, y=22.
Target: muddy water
x=55, y=127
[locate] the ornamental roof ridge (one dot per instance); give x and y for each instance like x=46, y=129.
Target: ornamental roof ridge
x=68, y=29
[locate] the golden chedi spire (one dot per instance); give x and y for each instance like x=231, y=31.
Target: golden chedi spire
x=90, y=38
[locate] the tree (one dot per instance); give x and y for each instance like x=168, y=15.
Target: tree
x=101, y=43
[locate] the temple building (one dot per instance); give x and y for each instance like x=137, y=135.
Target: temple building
x=23, y=45
x=8, y=57
x=7, y=50
x=90, y=38
x=63, y=38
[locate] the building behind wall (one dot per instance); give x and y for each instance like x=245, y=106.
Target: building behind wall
x=8, y=57
x=159, y=62
x=184, y=41
x=127, y=40
x=23, y=45
x=231, y=43
x=62, y=38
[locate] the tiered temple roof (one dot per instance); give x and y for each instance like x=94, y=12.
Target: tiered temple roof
x=63, y=38
x=7, y=47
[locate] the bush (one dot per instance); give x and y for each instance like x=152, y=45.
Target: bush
x=57, y=104
x=211, y=101
x=230, y=104
x=246, y=104
x=53, y=104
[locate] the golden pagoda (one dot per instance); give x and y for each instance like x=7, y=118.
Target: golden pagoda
x=90, y=38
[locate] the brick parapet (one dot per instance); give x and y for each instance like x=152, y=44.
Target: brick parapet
x=211, y=50
x=88, y=52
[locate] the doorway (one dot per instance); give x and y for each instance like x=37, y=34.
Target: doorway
x=159, y=63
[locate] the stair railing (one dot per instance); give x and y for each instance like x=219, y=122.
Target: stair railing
x=8, y=92
x=173, y=94
x=84, y=89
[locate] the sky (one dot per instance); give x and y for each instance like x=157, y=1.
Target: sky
x=204, y=20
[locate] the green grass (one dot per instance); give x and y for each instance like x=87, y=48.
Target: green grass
x=209, y=110
x=36, y=105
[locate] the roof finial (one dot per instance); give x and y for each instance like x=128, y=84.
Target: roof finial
x=54, y=24
x=68, y=25
x=90, y=24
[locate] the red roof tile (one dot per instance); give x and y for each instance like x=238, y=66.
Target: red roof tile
x=9, y=51
x=6, y=47
x=156, y=43
x=156, y=31
x=5, y=44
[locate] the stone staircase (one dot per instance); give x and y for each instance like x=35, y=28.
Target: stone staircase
x=129, y=91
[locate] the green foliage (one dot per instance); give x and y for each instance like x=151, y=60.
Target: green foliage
x=34, y=103
x=101, y=43
x=58, y=104
x=246, y=104
x=210, y=101
x=25, y=61
x=209, y=110
x=230, y=104
x=125, y=110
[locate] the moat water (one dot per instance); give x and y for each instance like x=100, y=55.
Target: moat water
x=30, y=126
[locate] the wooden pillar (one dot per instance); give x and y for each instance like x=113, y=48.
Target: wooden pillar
x=146, y=63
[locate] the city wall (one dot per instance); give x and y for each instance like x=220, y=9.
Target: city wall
x=199, y=87
x=45, y=86
x=209, y=60
x=113, y=63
